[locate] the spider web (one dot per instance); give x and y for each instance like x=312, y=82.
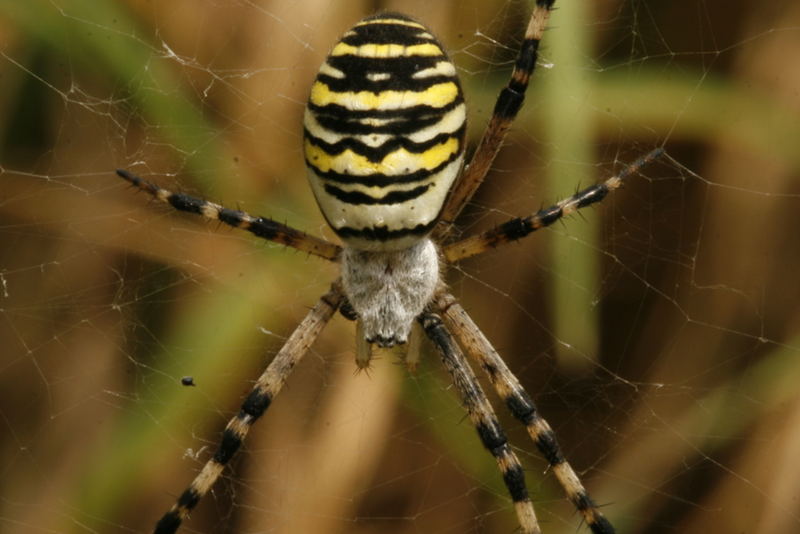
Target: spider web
x=657, y=332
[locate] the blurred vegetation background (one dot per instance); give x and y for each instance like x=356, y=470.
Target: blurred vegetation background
x=658, y=332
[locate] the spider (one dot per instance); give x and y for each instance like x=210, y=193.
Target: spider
x=384, y=143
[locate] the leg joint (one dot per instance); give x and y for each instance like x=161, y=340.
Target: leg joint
x=521, y=407
x=256, y=403
x=492, y=437
x=228, y=446
x=508, y=103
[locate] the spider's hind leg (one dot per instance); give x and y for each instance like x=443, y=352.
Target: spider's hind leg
x=508, y=104
x=520, y=227
x=262, y=227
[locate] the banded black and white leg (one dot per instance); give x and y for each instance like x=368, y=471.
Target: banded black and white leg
x=519, y=227
x=508, y=104
x=520, y=404
x=483, y=417
x=262, y=227
x=266, y=388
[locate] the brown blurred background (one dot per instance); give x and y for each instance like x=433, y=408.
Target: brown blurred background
x=657, y=332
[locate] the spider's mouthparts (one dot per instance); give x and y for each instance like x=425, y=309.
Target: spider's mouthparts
x=387, y=342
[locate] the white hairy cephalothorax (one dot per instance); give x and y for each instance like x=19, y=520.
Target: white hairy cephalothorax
x=389, y=289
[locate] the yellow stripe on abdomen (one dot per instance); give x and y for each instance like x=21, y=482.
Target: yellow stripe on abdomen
x=436, y=96
x=386, y=50
x=401, y=161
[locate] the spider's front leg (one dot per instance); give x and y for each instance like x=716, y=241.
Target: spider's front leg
x=521, y=406
x=483, y=417
x=266, y=388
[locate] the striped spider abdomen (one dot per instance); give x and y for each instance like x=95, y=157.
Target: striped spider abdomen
x=384, y=133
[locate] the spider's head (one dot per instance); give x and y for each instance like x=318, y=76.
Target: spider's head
x=388, y=290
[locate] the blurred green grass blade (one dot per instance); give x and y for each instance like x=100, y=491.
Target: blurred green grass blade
x=667, y=104
x=568, y=138
x=98, y=40
x=709, y=425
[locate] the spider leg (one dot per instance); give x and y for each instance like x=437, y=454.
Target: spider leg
x=505, y=111
x=262, y=227
x=520, y=227
x=267, y=386
x=414, y=348
x=363, y=347
x=521, y=406
x=364, y=351
x=483, y=417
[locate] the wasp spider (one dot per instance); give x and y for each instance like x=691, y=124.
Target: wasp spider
x=384, y=135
